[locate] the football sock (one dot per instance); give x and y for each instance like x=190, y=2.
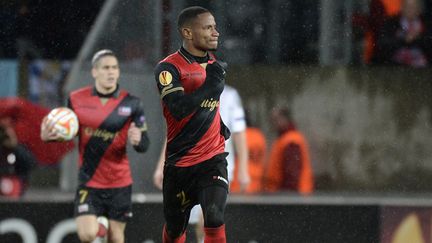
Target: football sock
x=167, y=239
x=215, y=235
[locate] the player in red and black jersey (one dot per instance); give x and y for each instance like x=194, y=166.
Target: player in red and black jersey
x=190, y=82
x=108, y=118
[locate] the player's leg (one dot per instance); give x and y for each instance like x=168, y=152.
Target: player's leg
x=176, y=205
x=87, y=228
x=196, y=221
x=212, y=197
x=176, y=221
x=213, y=202
x=116, y=231
x=119, y=206
x=87, y=207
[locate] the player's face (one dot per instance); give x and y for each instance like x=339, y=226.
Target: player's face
x=204, y=33
x=106, y=74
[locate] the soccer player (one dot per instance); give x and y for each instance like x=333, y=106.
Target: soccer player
x=108, y=117
x=190, y=82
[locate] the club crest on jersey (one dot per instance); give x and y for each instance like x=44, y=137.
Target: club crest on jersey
x=165, y=78
x=124, y=111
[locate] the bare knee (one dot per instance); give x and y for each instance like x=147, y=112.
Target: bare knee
x=87, y=235
x=116, y=238
x=116, y=231
x=87, y=228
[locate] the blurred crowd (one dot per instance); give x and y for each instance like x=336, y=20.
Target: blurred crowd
x=391, y=31
x=284, y=165
x=397, y=32
x=16, y=162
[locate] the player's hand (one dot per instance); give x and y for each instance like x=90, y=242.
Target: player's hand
x=158, y=178
x=215, y=72
x=134, y=134
x=244, y=180
x=48, y=132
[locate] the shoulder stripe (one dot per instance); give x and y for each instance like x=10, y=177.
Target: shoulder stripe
x=169, y=91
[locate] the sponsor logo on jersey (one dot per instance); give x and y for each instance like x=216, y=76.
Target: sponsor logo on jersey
x=124, y=111
x=165, y=78
x=101, y=133
x=211, y=104
x=221, y=179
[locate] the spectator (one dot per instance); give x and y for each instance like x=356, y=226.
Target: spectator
x=257, y=148
x=404, y=39
x=16, y=162
x=289, y=168
x=370, y=24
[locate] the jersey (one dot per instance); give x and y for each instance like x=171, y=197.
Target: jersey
x=198, y=134
x=103, y=135
x=233, y=116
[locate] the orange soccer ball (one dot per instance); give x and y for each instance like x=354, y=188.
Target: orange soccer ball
x=65, y=122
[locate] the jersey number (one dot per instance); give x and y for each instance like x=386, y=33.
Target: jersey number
x=183, y=200
x=83, y=195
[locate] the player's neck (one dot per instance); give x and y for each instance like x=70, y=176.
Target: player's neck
x=102, y=92
x=194, y=51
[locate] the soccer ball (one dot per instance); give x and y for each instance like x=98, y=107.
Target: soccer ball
x=65, y=121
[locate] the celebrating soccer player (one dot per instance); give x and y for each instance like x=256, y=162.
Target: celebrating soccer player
x=190, y=82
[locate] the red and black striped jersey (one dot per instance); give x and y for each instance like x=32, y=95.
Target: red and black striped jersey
x=195, y=131
x=103, y=126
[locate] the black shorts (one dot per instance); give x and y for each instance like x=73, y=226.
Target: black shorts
x=113, y=203
x=181, y=185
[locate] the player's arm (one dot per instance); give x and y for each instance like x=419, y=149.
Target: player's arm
x=158, y=173
x=172, y=92
x=137, y=132
x=239, y=140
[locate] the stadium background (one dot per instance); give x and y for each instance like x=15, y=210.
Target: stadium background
x=369, y=127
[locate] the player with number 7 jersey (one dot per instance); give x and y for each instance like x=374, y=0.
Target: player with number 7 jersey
x=109, y=118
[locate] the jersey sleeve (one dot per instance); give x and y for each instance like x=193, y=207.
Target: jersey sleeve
x=238, y=115
x=179, y=104
x=168, y=79
x=138, y=117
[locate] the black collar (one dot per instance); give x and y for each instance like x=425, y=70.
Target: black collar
x=191, y=58
x=114, y=94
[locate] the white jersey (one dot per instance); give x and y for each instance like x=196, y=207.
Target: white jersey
x=232, y=113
